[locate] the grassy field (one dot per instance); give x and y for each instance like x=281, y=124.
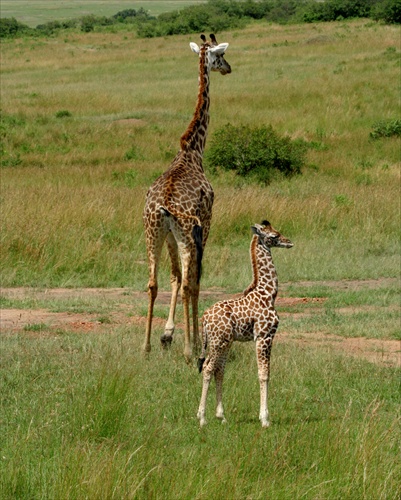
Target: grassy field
x=37, y=12
x=88, y=121
x=84, y=415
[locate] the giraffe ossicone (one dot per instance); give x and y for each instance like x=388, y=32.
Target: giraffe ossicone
x=250, y=317
x=178, y=208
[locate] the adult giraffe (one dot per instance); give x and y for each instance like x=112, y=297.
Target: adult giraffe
x=178, y=207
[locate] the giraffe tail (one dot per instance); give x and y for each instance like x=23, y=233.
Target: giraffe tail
x=197, y=234
x=200, y=364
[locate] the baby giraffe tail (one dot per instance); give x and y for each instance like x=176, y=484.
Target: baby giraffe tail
x=200, y=364
x=202, y=356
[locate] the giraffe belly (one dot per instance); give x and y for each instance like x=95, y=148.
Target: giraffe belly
x=243, y=332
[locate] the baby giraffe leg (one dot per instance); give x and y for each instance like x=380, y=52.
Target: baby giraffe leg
x=219, y=375
x=263, y=350
x=207, y=376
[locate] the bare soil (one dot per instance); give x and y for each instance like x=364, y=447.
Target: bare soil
x=39, y=321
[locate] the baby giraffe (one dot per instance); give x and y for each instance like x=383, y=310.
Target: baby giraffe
x=250, y=317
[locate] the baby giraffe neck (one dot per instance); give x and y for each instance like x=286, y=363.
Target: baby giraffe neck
x=264, y=272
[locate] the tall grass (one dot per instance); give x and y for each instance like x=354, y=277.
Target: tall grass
x=88, y=121
x=88, y=416
x=37, y=12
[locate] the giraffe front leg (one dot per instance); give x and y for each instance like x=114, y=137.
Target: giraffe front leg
x=263, y=351
x=264, y=412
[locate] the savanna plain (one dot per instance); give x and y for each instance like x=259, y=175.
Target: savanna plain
x=88, y=121
x=37, y=12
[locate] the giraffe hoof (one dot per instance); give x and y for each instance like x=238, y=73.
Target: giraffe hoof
x=166, y=341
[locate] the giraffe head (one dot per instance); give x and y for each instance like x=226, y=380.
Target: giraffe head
x=214, y=54
x=269, y=237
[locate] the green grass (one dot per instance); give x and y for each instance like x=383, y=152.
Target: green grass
x=88, y=416
x=37, y=12
x=90, y=120
x=382, y=324
x=85, y=415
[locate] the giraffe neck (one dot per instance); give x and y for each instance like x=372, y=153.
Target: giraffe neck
x=252, y=252
x=194, y=138
x=264, y=272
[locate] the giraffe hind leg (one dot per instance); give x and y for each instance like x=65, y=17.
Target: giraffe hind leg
x=154, y=243
x=202, y=405
x=152, y=292
x=175, y=281
x=219, y=377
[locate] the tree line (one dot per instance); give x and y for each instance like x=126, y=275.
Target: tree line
x=217, y=16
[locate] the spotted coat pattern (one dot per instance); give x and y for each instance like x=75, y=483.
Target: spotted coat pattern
x=178, y=208
x=250, y=317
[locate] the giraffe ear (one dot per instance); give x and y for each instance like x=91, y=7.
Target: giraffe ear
x=194, y=47
x=255, y=229
x=219, y=49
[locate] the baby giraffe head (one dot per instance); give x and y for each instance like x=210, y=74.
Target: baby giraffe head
x=269, y=237
x=215, y=54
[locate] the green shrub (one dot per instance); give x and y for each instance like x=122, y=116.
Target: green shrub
x=63, y=113
x=130, y=15
x=53, y=27
x=386, y=128
x=259, y=153
x=10, y=27
x=388, y=11
x=335, y=10
x=89, y=22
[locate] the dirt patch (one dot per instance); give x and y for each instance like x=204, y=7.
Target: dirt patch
x=37, y=321
x=347, y=284
x=383, y=352
x=41, y=320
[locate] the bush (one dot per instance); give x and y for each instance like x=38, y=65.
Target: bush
x=388, y=11
x=333, y=10
x=283, y=11
x=131, y=15
x=54, y=26
x=10, y=27
x=63, y=113
x=259, y=153
x=386, y=128
x=89, y=22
